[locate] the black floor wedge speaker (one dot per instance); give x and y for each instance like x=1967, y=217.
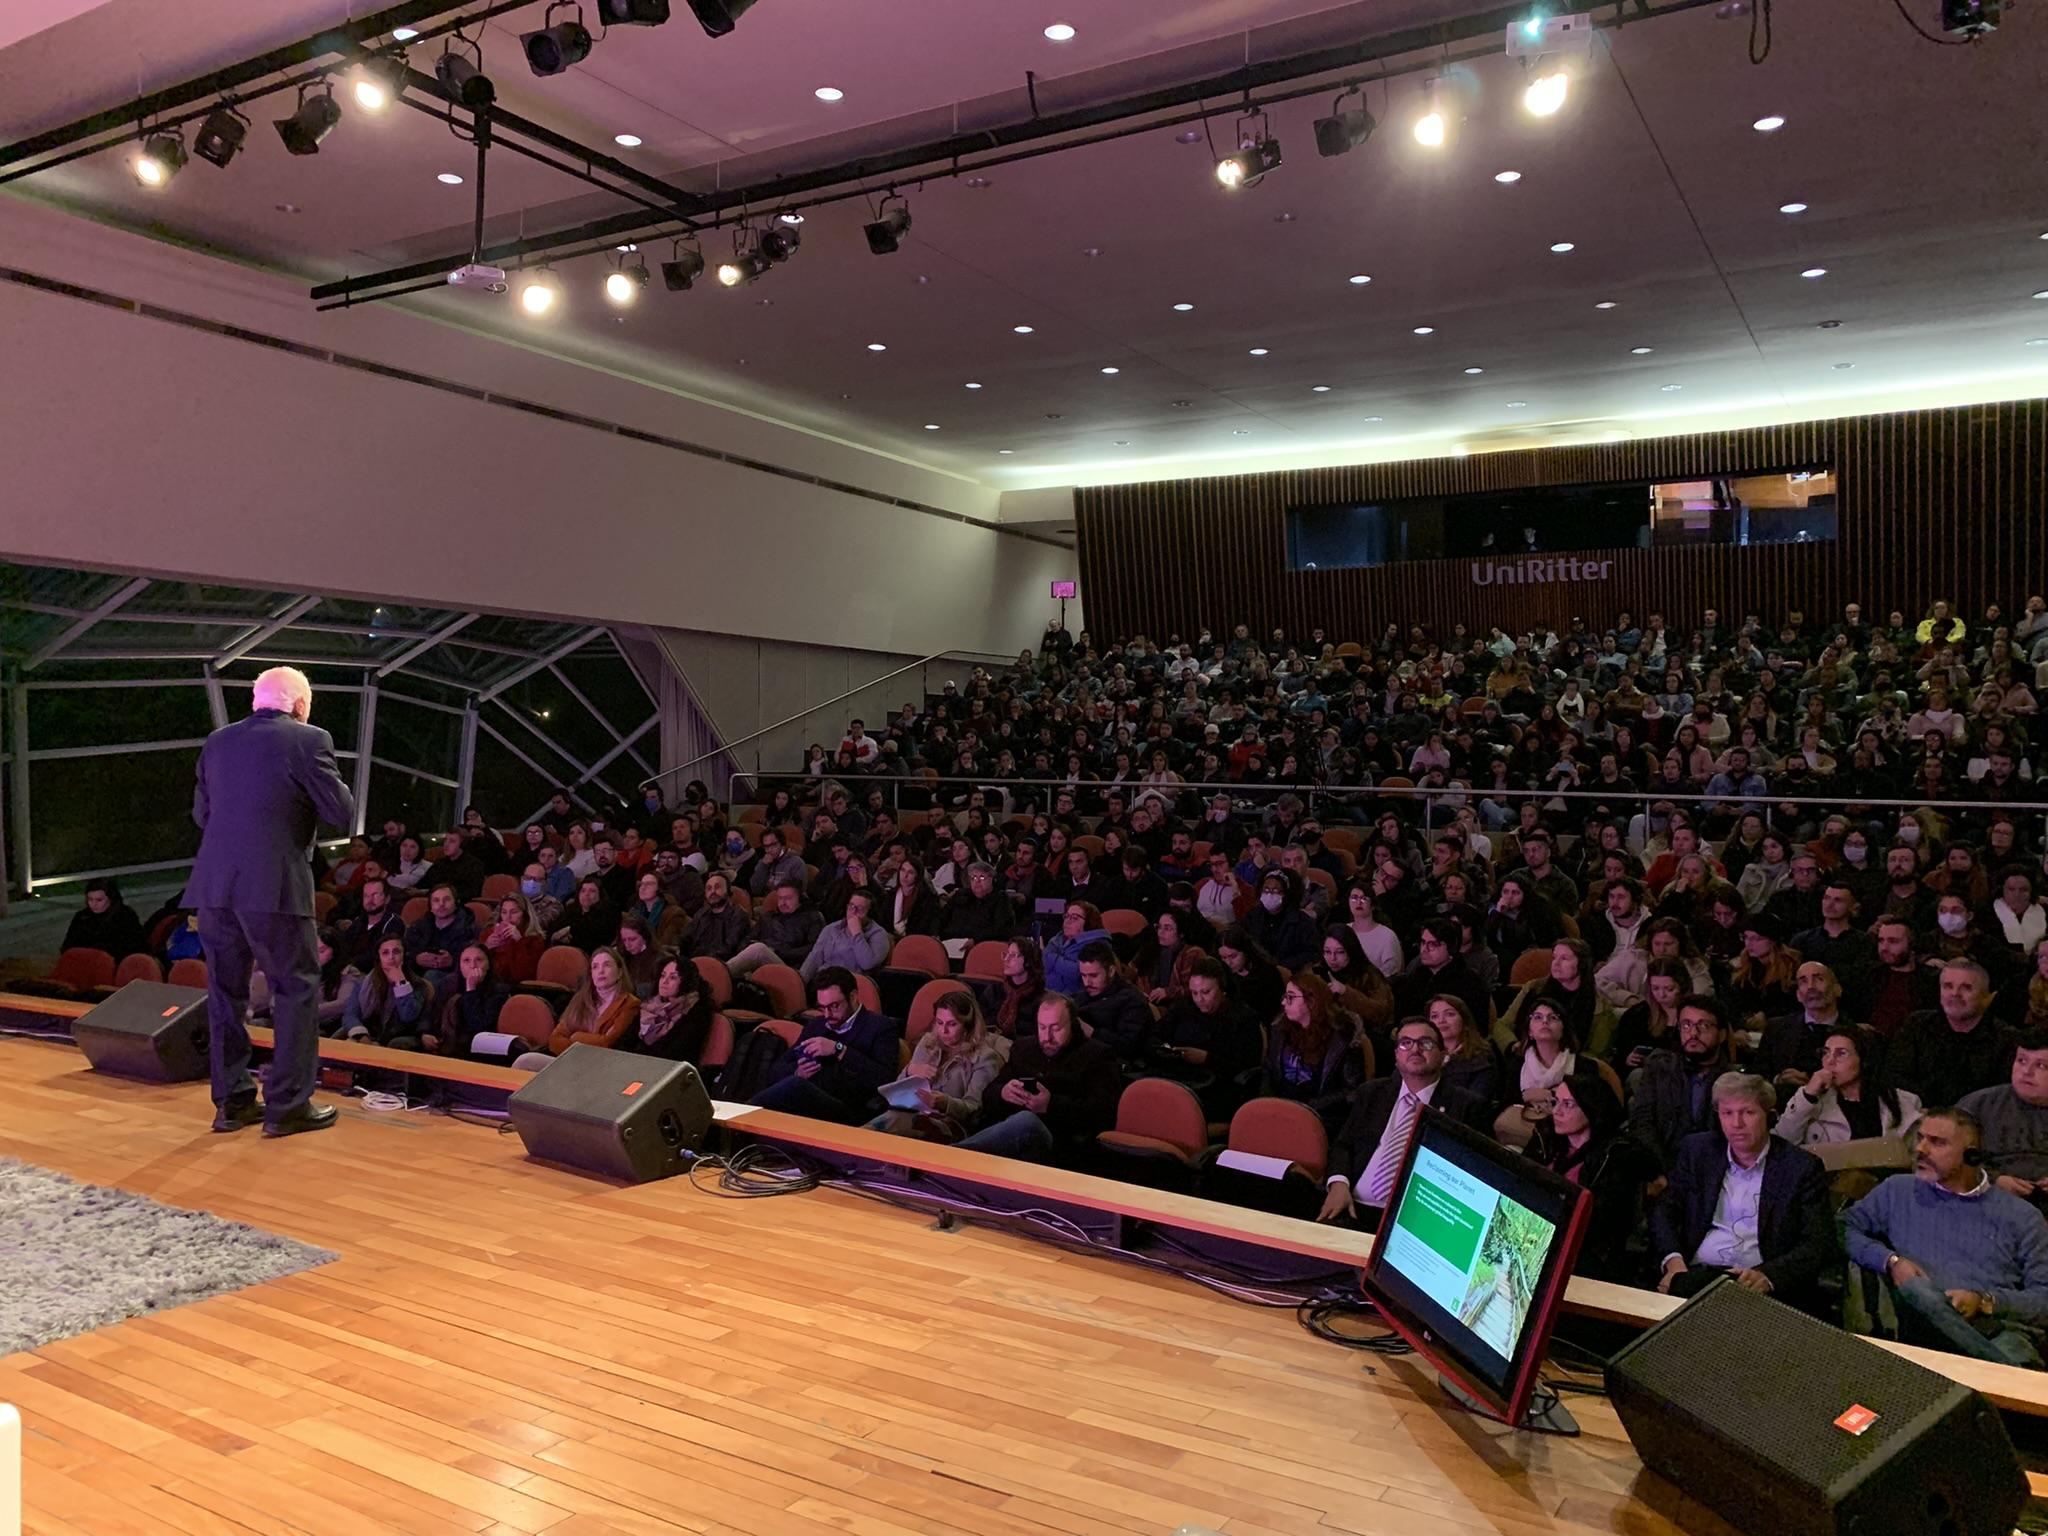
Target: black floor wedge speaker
x=147, y=1030
x=611, y=1112
x=1784, y=1425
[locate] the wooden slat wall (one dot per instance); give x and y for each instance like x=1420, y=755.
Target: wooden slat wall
x=1947, y=503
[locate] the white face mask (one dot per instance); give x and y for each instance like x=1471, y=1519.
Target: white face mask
x=1909, y=834
x=1271, y=901
x=1855, y=854
x=1953, y=923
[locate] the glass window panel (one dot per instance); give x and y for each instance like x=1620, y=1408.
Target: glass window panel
x=99, y=717
x=423, y=804
x=102, y=812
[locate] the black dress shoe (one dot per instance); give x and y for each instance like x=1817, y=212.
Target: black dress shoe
x=237, y=1113
x=314, y=1117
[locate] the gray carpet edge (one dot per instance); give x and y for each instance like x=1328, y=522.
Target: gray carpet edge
x=75, y=1257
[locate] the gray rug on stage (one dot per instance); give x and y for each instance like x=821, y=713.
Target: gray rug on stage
x=74, y=1257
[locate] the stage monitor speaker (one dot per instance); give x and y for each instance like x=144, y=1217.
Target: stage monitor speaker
x=147, y=1030
x=1782, y=1424
x=612, y=1112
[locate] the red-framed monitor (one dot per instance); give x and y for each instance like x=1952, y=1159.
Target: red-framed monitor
x=1066, y=589
x=1472, y=1259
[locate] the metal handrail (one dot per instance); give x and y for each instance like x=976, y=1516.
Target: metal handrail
x=726, y=748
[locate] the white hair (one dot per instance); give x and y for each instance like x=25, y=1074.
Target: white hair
x=283, y=688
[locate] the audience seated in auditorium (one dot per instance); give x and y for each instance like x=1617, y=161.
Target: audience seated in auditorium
x=433, y=942
x=602, y=1009
x=784, y=934
x=675, y=1019
x=1673, y=1099
x=1949, y=1051
x=2012, y=1118
x=844, y=1053
x=469, y=1008
x=1965, y=1260
x=1849, y=1096
x=1112, y=1011
x=1366, y=1156
x=105, y=922
x=1057, y=1092
x=720, y=930
x=853, y=943
x=1585, y=1138
x=392, y=1001
x=1743, y=1202
x=1210, y=1040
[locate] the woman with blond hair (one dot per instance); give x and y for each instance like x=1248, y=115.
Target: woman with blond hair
x=955, y=1060
x=602, y=1010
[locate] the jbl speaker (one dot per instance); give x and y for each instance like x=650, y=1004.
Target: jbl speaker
x=612, y=1112
x=1782, y=1424
x=147, y=1030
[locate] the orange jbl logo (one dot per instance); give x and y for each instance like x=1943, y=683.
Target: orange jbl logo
x=630, y=1089
x=170, y=1012
x=1856, y=1419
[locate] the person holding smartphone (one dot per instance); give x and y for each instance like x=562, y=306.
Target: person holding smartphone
x=1057, y=1093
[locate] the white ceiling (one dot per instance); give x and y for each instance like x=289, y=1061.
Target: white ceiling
x=1924, y=171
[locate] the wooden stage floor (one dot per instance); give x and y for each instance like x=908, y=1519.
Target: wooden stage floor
x=506, y=1349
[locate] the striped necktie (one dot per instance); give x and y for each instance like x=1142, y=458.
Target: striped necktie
x=1386, y=1158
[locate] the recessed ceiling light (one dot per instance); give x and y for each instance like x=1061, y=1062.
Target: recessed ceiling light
x=1671, y=389
x=1060, y=32
x=1828, y=325
x=287, y=207
x=971, y=386
x=1319, y=389
x=1182, y=308
x=1112, y=370
x=404, y=34
x=979, y=183
x=1562, y=246
x=1791, y=207
x=2043, y=294
x=627, y=140
x=1768, y=124
x=1507, y=178
x=1180, y=405
x=2037, y=341
x=1122, y=442
x=878, y=346
x=829, y=93
x=931, y=426
x=1475, y=370
x=1425, y=330
x=1843, y=367
x=1194, y=136
x=1605, y=304
x=1091, y=251
x=1240, y=431
x=1358, y=279
x=628, y=248
x=1283, y=218
x=1641, y=351
x=1375, y=418
x=1258, y=352
x=1021, y=330
x=791, y=219
x=449, y=179
x=1815, y=272
x=1516, y=405
x=765, y=303
x=2044, y=234
x=1006, y=451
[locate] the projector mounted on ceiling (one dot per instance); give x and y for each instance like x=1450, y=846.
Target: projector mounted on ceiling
x=1541, y=35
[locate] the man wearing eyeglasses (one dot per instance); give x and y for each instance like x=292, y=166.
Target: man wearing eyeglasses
x=1366, y=1158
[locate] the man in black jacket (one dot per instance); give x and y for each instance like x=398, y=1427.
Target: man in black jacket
x=1366, y=1156
x=843, y=1055
x=1058, y=1092
x=1743, y=1202
x=1957, y=1048
x=264, y=786
x=1112, y=1012
x=1213, y=1038
x=1674, y=1098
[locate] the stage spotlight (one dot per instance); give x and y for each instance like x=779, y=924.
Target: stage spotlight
x=684, y=266
x=463, y=83
x=378, y=81
x=161, y=157
x=718, y=17
x=890, y=226
x=632, y=13
x=311, y=121
x=779, y=241
x=1544, y=96
x=1257, y=153
x=539, y=290
x=623, y=284
x=557, y=45
x=744, y=267
x=1969, y=18
x=1343, y=131
x=220, y=136
x=1438, y=124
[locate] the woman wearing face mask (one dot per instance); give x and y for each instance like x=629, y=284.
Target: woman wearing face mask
x=514, y=941
x=732, y=851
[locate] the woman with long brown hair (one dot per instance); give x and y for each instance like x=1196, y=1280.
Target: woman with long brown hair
x=1309, y=1051
x=1023, y=987
x=956, y=1059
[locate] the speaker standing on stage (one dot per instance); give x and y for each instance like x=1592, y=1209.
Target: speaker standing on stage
x=265, y=785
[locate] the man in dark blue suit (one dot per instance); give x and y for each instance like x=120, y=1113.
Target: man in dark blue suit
x=1745, y=1203
x=265, y=785
x=844, y=1054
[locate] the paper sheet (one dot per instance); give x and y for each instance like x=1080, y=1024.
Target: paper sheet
x=1252, y=1162
x=489, y=1043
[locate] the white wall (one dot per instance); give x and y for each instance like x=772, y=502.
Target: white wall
x=137, y=444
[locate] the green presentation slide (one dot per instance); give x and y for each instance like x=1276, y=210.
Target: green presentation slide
x=1471, y=1250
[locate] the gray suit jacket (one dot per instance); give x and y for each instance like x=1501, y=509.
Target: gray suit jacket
x=265, y=785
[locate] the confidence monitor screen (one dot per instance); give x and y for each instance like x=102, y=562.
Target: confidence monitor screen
x=1471, y=1262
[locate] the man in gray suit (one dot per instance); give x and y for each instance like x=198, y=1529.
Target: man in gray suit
x=265, y=785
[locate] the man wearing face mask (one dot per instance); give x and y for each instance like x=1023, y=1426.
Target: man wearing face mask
x=1287, y=933
x=547, y=911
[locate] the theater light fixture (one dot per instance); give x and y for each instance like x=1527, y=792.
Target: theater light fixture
x=632, y=13
x=311, y=121
x=684, y=266
x=220, y=136
x=718, y=17
x=1257, y=153
x=378, y=81
x=747, y=262
x=623, y=284
x=161, y=157
x=1346, y=127
x=778, y=242
x=463, y=81
x=558, y=45
x=1436, y=127
x=891, y=224
x=539, y=290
